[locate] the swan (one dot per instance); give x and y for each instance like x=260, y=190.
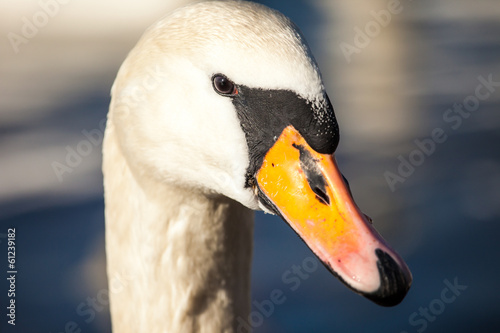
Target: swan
x=220, y=110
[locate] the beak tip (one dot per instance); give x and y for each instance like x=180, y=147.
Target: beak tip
x=395, y=280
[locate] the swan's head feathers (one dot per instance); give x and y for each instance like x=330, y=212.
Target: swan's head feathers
x=191, y=134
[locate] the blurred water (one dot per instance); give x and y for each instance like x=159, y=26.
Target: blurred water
x=443, y=218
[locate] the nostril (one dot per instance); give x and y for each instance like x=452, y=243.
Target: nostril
x=321, y=194
x=313, y=174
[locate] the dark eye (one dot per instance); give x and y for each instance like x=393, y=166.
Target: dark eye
x=223, y=85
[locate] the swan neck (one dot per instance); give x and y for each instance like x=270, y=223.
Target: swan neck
x=178, y=260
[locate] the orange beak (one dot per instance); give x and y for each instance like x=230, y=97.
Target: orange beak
x=309, y=192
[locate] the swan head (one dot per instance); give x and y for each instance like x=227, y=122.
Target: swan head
x=225, y=98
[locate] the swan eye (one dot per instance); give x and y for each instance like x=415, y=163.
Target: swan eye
x=223, y=85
